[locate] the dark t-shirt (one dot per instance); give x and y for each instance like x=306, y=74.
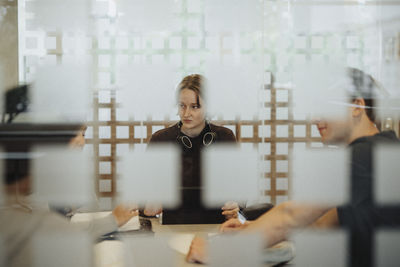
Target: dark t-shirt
x=191, y=170
x=362, y=215
x=191, y=209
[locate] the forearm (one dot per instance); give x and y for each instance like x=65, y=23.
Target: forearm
x=99, y=226
x=276, y=224
x=328, y=220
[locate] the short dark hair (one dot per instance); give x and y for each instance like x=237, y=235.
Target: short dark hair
x=16, y=139
x=15, y=170
x=365, y=87
x=16, y=101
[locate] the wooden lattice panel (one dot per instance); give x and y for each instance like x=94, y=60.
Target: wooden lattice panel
x=274, y=138
x=277, y=131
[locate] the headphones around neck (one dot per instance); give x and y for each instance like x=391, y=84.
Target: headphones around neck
x=208, y=138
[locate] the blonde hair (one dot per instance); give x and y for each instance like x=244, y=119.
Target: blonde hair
x=194, y=82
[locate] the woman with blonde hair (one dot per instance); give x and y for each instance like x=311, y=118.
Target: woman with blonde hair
x=192, y=133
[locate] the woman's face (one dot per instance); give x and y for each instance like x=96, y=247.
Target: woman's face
x=191, y=113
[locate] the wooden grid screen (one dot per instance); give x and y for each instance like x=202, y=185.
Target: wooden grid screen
x=274, y=137
x=281, y=47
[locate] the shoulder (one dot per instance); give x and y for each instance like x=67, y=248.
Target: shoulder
x=223, y=133
x=361, y=155
x=363, y=146
x=165, y=135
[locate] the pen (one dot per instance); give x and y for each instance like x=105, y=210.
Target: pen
x=242, y=219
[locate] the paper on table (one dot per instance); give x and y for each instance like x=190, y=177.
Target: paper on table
x=281, y=252
x=109, y=253
x=181, y=242
x=132, y=224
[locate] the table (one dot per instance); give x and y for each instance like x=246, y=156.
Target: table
x=195, y=229
x=110, y=253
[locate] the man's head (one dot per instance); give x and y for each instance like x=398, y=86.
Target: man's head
x=19, y=135
x=360, y=117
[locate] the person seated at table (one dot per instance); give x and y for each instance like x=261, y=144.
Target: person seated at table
x=120, y=214
x=99, y=226
x=21, y=219
x=360, y=133
x=193, y=133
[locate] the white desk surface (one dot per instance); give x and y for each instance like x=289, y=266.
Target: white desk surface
x=195, y=229
x=110, y=253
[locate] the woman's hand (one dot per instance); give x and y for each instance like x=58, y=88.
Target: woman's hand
x=123, y=213
x=198, y=251
x=230, y=210
x=233, y=225
x=152, y=209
